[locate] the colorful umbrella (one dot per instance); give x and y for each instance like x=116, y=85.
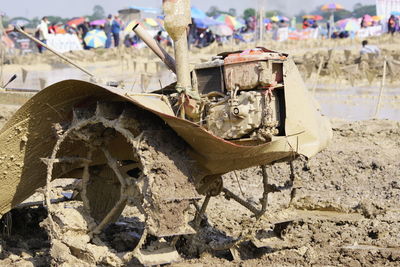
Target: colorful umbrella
x=221, y=30
x=395, y=13
x=151, y=22
x=197, y=13
x=350, y=24
x=332, y=7
x=377, y=18
x=95, y=38
x=230, y=21
x=20, y=22
x=279, y=18
x=76, y=21
x=206, y=22
x=98, y=22
x=342, y=23
x=367, y=18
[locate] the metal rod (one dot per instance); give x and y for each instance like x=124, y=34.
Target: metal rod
x=155, y=47
x=264, y=199
x=53, y=51
x=318, y=74
x=383, y=81
x=200, y=214
x=229, y=194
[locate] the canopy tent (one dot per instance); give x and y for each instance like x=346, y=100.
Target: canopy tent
x=147, y=9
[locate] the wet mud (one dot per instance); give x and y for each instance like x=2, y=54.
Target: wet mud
x=343, y=209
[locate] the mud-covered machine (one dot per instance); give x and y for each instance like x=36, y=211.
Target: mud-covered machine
x=163, y=152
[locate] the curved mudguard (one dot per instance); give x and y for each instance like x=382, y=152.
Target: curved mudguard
x=28, y=135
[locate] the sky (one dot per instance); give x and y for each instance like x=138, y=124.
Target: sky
x=71, y=8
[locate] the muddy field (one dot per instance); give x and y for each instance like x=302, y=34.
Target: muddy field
x=343, y=209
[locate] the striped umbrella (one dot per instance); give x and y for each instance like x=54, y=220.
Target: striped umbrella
x=230, y=21
x=332, y=7
x=95, y=38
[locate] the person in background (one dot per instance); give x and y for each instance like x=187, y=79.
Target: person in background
x=115, y=30
x=393, y=24
x=42, y=32
x=159, y=38
x=72, y=29
x=108, y=31
x=53, y=28
x=282, y=24
x=83, y=29
x=306, y=24
x=369, y=49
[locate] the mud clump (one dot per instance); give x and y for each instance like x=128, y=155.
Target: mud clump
x=342, y=210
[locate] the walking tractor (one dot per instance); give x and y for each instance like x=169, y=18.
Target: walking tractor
x=163, y=152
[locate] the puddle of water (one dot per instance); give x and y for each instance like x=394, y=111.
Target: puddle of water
x=359, y=107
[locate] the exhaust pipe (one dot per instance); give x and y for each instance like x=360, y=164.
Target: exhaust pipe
x=155, y=47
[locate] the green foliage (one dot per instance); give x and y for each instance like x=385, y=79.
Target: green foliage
x=232, y=12
x=98, y=13
x=249, y=12
x=271, y=13
x=340, y=14
x=361, y=10
x=213, y=11
x=56, y=19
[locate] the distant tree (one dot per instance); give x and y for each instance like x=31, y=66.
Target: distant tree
x=19, y=18
x=213, y=11
x=341, y=14
x=98, y=13
x=362, y=10
x=357, y=6
x=249, y=12
x=232, y=12
x=34, y=22
x=271, y=13
x=56, y=19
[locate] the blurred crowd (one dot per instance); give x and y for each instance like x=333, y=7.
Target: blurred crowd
x=204, y=30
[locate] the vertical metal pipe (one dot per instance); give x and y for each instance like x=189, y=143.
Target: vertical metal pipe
x=182, y=63
x=383, y=81
x=177, y=19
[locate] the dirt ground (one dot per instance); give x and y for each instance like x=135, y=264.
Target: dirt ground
x=343, y=210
